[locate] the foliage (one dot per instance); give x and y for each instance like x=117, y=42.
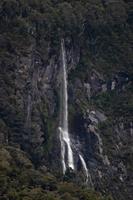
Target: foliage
x=116, y=104
x=22, y=181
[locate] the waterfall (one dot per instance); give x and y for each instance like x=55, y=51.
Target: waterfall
x=84, y=167
x=66, y=150
x=113, y=85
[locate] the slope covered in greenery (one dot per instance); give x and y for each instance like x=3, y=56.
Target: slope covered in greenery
x=19, y=180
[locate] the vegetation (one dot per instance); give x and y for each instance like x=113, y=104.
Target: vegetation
x=20, y=180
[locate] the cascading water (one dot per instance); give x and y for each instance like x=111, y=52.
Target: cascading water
x=67, y=157
x=84, y=167
x=88, y=176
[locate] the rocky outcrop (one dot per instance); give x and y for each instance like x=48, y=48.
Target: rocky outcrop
x=98, y=135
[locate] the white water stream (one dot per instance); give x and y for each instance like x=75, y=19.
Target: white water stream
x=66, y=150
x=84, y=167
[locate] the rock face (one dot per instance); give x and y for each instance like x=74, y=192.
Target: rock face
x=97, y=38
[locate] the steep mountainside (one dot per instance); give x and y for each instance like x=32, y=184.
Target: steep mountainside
x=98, y=46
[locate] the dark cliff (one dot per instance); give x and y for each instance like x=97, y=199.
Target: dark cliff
x=98, y=42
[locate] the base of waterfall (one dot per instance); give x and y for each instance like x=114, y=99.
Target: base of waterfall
x=65, y=142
